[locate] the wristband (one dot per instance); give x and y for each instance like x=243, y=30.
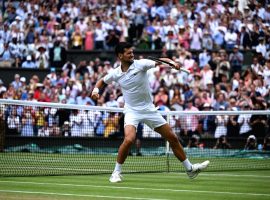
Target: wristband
x=172, y=65
x=96, y=90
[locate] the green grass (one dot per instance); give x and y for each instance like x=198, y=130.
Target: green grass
x=234, y=185
x=37, y=164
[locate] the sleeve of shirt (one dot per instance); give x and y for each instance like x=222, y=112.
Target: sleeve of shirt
x=146, y=64
x=110, y=77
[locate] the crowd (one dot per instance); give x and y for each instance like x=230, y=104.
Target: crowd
x=37, y=34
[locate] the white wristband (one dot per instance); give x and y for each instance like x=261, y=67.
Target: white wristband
x=172, y=65
x=96, y=90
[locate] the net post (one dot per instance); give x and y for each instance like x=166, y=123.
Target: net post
x=167, y=145
x=2, y=131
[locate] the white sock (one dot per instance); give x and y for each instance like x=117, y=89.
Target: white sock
x=118, y=167
x=187, y=164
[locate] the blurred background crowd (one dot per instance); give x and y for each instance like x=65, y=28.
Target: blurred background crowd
x=208, y=37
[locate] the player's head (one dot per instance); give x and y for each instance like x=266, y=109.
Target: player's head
x=124, y=51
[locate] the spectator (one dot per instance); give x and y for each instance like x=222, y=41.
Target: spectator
x=89, y=39
x=208, y=122
x=161, y=98
x=230, y=39
x=42, y=57
x=13, y=122
x=251, y=143
x=221, y=124
x=191, y=122
x=84, y=99
x=66, y=129
x=244, y=122
x=258, y=122
x=75, y=123
x=245, y=41
x=2, y=87
x=176, y=101
x=6, y=58
x=236, y=60
x=222, y=143
x=111, y=125
x=57, y=55
x=27, y=124
x=16, y=83
x=77, y=39
x=29, y=63
x=266, y=143
x=194, y=142
x=196, y=37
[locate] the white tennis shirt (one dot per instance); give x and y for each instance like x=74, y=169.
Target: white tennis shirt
x=135, y=85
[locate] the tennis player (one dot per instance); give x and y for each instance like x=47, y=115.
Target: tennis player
x=132, y=77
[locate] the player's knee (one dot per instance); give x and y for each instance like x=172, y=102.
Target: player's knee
x=129, y=141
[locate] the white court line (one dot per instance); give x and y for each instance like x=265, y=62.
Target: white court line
x=229, y=175
x=137, y=188
x=76, y=195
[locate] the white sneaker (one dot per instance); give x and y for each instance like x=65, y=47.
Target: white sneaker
x=197, y=168
x=116, y=177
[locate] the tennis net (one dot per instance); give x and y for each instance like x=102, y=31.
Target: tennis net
x=58, y=139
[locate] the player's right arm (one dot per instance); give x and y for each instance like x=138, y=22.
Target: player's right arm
x=95, y=93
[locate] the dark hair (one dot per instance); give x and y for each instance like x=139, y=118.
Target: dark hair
x=121, y=46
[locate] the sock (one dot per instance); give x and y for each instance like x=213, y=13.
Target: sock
x=118, y=167
x=187, y=164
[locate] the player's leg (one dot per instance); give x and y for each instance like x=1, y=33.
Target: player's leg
x=130, y=136
x=166, y=132
x=123, y=151
x=192, y=170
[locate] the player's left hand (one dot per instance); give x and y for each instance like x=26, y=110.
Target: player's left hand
x=175, y=65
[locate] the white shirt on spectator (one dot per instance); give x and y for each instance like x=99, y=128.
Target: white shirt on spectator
x=76, y=124
x=266, y=75
x=245, y=127
x=261, y=48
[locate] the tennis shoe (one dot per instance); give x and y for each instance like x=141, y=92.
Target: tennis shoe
x=116, y=177
x=197, y=168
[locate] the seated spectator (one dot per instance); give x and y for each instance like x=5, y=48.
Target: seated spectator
x=222, y=143
x=111, y=124
x=84, y=99
x=266, y=143
x=6, y=58
x=29, y=63
x=194, y=142
x=251, y=143
x=2, y=87
x=66, y=129
x=54, y=130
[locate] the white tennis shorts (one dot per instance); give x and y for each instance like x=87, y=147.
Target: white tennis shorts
x=153, y=119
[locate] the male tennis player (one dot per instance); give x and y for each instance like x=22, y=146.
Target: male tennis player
x=132, y=77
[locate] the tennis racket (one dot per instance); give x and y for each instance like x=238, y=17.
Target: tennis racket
x=167, y=63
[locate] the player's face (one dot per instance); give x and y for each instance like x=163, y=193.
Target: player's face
x=127, y=56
